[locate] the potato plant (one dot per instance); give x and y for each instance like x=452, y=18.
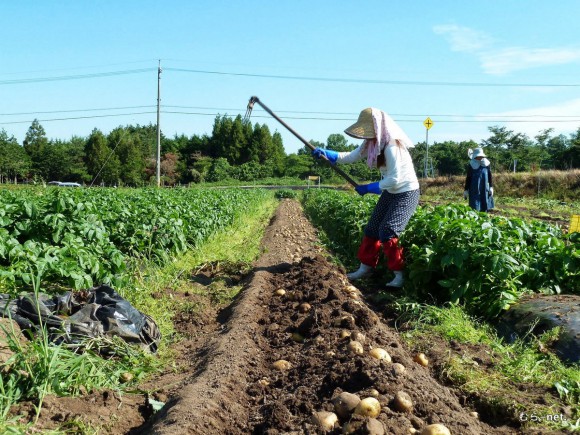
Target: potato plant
x=79, y=238
x=454, y=253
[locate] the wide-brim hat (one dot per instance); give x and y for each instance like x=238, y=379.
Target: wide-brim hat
x=478, y=152
x=364, y=127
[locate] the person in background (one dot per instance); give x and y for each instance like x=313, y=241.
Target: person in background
x=478, y=183
x=386, y=147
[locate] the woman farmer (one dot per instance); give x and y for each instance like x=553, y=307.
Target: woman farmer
x=478, y=183
x=386, y=147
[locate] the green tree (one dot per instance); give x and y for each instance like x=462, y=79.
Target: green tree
x=572, y=154
x=219, y=170
x=338, y=142
x=298, y=165
x=132, y=154
x=14, y=161
x=34, y=143
x=102, y=164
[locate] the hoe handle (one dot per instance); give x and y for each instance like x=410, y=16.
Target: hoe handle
x=304, y=141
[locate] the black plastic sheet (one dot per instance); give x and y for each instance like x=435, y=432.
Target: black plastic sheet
x=73, y=317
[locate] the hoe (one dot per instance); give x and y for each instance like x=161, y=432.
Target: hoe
x=254, y=100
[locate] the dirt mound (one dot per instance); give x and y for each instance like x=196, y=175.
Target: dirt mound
x=237, y=390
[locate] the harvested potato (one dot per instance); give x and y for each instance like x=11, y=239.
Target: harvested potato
x=297, y=337
x=421, y=359
x=402, y=402
x=368, y=407
x=282, y=365
x=350, y=289
x=345, y=403
x=435, y=429
x=398, y=369
x=344, y=334
x=356, y=348
x=280, y=292
x=380, y=354
x=126, y=377
x=325, y=420
x=370, y=426
x=358, y=336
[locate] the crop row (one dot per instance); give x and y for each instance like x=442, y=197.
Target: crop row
x=456, y=254
x=82, y=237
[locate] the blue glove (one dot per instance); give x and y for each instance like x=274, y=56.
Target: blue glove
x=368, y=188
x=332, y=156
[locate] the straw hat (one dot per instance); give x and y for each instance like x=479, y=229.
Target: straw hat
x=364, y=128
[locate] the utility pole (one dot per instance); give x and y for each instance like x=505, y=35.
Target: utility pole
x=158, y=126
x=428, y=123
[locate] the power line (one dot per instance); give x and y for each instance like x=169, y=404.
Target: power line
x=75, y=77
x=78, y=117
x=418, y=118
x=370, y=81
x=75, y=110
x=397, y=120
x=238, y=110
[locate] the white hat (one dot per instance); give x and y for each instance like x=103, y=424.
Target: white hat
x=478, y=152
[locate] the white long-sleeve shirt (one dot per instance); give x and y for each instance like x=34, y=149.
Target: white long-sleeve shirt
x=398, y=173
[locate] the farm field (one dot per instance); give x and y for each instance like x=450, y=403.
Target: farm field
x=215, y=295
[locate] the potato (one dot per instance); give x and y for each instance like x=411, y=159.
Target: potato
x=282, y=365
x=380, y=354
x=370, y=426
x=344, y=334
x=358, y=336
x=280, y=292
x=325, y=420
x=345, y=403
x=421, y=359
x=350, y=289
x=304, y=307
x=356, y=348
x=297, y=337
x=126, y=377
x=435, y=429
x=374, y=392
x=368, y=407
x=398, y=369
x=402, y=402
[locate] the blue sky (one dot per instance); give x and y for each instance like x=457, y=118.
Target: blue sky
x=79, y=65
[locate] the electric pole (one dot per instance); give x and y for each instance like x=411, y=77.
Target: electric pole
x=158, y=126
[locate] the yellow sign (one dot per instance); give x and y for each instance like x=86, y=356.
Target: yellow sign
x=428, y=123
x=575, y=224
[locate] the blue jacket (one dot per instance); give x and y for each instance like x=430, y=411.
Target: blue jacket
x=477, y=183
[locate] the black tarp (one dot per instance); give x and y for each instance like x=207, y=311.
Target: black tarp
x=73, y=317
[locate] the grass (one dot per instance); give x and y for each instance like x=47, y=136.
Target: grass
x=38, y=368
x=526, y=362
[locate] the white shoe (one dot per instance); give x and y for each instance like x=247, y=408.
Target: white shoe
x=397, y=280
x=362, y=272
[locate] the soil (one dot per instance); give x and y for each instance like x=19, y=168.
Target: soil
x=224, y=381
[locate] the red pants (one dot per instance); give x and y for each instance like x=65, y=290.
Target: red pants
x=368, y=253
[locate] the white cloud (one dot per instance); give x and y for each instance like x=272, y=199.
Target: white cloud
x=518, y=58
x=463, y=38
x=500, y=61
x=564, y=118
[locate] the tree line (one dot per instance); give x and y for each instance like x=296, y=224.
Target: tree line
x=238, y=150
